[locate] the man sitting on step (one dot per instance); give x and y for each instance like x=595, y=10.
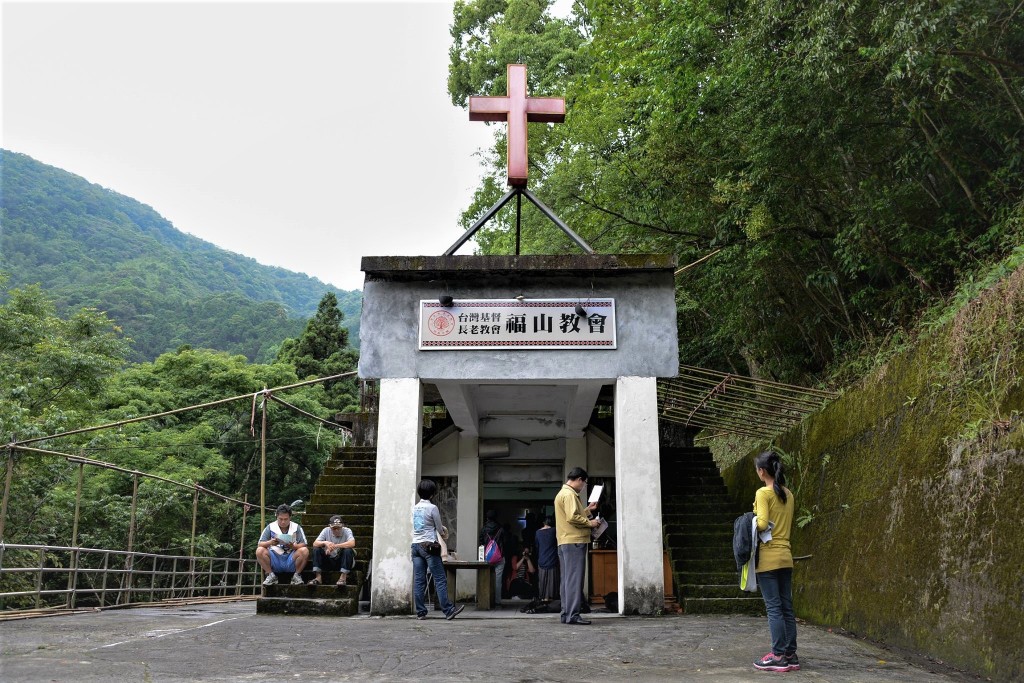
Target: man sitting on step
x=282, y=548
x=334, y=550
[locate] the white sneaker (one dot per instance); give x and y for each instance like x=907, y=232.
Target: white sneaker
x=297, y=580
x=270, y=580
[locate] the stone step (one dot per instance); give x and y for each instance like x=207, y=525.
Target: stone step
x=692, y=504
x=700, y=519
x=327, y=591
x=671, y=483
x=355, y=452
x=314, y=607
x=335, y=478
x=670, y=470
x=699, y=525
x=329, y=488
x=343, y=469
x=751, y=606
x=704, y=578
x=344, y=504
x=688, y=466
x=708, y=563
x=353, y=505
x=689, y=489
x=322, y=514
x=685, y=460
x=364, y=540
x=713, y=539
x=669, y=465
x=676, y=450
x=714, y=591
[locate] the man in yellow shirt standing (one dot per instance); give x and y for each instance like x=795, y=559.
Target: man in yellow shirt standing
x=572, y=527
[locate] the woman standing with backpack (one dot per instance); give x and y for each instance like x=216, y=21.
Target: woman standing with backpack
x=773, y=506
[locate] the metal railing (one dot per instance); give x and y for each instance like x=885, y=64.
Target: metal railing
x=43, y=576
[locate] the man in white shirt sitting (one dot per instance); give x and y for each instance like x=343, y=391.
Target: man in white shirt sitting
x=282, y=548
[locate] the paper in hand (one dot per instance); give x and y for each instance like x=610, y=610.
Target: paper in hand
x=595, y=493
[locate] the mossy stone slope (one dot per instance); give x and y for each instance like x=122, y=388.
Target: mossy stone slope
x=910, y=489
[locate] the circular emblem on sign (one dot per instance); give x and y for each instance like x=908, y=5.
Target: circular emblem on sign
x=441, y=323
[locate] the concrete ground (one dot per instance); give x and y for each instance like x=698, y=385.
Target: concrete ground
x=230, y=642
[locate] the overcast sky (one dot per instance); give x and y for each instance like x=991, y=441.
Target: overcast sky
x=302, y=135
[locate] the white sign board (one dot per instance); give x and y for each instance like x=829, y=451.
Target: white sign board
x=517, y=324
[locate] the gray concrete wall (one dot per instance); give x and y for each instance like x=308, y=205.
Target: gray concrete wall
x=644, y=308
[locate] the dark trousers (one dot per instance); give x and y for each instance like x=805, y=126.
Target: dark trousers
x=572, y=559
x=322, y=562
x=777, y=590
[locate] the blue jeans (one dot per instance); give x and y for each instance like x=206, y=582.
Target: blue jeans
x=777, y=590
x=421, y=559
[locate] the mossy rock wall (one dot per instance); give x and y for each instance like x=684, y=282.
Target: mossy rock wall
x=911, y=490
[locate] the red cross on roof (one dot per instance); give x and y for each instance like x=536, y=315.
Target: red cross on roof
x=517, y=109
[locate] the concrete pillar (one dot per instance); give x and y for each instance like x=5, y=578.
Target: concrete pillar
x=638, y=496
x=468, y=514
x=398, y=473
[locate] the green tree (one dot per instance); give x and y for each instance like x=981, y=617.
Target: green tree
x=850, y=160
x=322, y=351
x=52, y=369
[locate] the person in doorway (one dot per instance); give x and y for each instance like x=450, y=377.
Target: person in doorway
x=774, y=505
x=573, y=523
x=426, y=553
x=491, y=530
x=547, y=562
x=282, y=548
x=334, y=550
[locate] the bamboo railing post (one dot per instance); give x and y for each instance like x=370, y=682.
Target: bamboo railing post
x=103, y=590
x=241, y=546
x=263, y=464
x=129, y=561
x=7, y=490
x=192, y=543
x=73, y=569
x=39, y=578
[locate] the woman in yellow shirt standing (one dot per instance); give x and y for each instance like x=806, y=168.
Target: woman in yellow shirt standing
x=774, y=505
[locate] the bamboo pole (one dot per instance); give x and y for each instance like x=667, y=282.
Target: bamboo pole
x=131, y=517
x=735, y=408
x=726, y=416
x=7, y=491
x=192, y=543
x=730, y=423
x=275, y=399
x=129, y=560
x=805, y=390
x=263, y=463
x=241, y=548
x=182, y=410
x=746, y=388
x=746, y=394
x=109, y=466
x=73, y=569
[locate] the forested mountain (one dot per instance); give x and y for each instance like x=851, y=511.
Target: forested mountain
x=89, y=246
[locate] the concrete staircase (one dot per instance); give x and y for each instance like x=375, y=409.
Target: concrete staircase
x=697, y=517
x=346, y=488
